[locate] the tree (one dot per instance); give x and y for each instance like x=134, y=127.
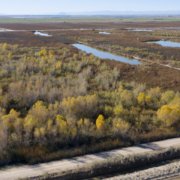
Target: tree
x=169, y=115
x=62, y=125
x=4, y=157
x=9, y=119
x=80, y=107
x=120, y=126
x=100, y=122
x=39, y=111
x=167, y=96
x=43, y=52
x=5, y=46
x=154, y=94
x=118, y=110
x=127, y=98
x=141, y=99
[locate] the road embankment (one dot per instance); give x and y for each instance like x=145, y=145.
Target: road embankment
x=103, y=163
x=169, y=171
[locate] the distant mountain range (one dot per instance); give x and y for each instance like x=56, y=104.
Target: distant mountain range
x=125, y=13
x=101, y=14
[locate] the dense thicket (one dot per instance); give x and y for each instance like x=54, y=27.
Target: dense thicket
x=54, y=100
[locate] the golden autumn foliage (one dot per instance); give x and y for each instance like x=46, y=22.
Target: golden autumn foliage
x=58, y=65
x=120, y=126
x=100, y=122
x=127, y=98
x=169, y=114
x=57, y=99
x=43, y=52
x=30, y=122
x=39, y=111
x=118, y=110
x=148, y=99
x=39, y=132
x=167, y=96
x=4, y=46
x=62, y=125
x=141, y=98
x=10, y=119
x=81, y=106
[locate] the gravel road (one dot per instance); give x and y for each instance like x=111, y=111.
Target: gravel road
x=86, y=162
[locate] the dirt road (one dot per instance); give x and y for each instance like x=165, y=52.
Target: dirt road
x=82, y=163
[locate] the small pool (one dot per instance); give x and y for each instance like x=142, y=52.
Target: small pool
x=105, y=55
x=140, y=30
x=167, y=43
x=5, y=30
x=38, y=33
x=104, y=33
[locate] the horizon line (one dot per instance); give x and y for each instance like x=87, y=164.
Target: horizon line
x=105, y=12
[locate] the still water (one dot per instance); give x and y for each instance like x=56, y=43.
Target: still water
x=104, y=33
x=167, y=43
x=38, y=33
x=106, y=55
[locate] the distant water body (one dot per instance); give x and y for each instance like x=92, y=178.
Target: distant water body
x=140, y=30
x=38, y=33
x=105, y=55
x=104, y=33
x=166, y=43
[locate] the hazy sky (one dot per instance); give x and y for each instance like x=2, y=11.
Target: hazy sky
x=57, y=6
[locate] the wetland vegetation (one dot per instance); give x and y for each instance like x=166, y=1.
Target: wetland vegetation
x=58, y=102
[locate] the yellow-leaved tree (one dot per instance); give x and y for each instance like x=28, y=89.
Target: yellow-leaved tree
x=141, y=98
x=170, y=115
x=100, y=122
x=120, y=126
x=61, y=125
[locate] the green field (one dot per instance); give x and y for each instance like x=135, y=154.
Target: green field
x=87, y=19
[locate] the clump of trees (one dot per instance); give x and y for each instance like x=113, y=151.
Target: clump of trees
x=56, y=99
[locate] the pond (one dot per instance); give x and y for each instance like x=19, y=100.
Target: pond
x=5, y=30
x=166, y=43
x=139, y=30
x=104, y=33
x=105, y=55
x=38, y=33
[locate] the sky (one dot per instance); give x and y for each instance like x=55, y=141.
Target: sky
x=77, y=6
